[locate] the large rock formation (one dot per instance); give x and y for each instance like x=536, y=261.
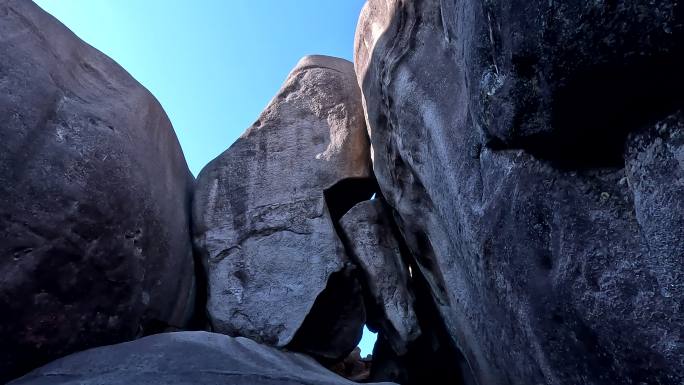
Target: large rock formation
x=530, y=227
x=186, y=358
x=94, y=199
x=533, y=152
x=368, y=231
x=261, y=220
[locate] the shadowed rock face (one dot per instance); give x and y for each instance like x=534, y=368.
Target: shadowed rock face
x=261, y=222
x=413, y=347
x=534, y=153
x=368, y=233
x=187, y=358
x=94, y=199
x=334, y=325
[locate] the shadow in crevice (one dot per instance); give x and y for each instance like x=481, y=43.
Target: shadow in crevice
x=596, y=109
x=345, y=194
x=432, y=358
x=334, y=325
x=200, y=319
x=195, y=315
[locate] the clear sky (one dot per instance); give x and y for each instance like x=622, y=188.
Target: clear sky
x=213, y=64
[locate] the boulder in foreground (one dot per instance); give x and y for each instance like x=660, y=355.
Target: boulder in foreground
x=185, y=358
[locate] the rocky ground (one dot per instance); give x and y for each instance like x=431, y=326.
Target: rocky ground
x=496, y=188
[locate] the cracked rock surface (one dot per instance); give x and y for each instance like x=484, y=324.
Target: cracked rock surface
x=260, y=218
x=185, y=358
x=533, y=153
x=94, y=199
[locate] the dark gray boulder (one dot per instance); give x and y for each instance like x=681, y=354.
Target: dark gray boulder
x=192, y=358
x=368, y=232
x=533, y=153
x=94, y=199
x=261, y=220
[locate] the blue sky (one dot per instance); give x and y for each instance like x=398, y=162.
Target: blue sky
x=213, y=64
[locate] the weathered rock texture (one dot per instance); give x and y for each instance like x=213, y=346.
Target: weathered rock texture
x=192, y=358
x=94, y=198
x=533, y=152
x=413, y=346
x=368, y=230
x=260, y=216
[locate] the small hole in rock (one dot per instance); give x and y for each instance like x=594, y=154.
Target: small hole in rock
x=368, y=340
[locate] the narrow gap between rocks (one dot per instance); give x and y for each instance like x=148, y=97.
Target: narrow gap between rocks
x=338, y=316
x=433, y=358
x=197, y=318
x=340, y=198
x=200, y=319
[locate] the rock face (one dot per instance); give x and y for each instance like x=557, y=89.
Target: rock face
x=261, y=221
x=190, y=358
x=334, y=326
x=533, y=152
x=367, y=228
x=94, y=199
